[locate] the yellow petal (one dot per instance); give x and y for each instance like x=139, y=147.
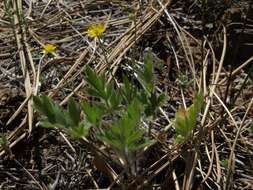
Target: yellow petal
x=48, y=48
x=96, y=30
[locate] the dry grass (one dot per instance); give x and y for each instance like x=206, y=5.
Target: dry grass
x=220, y=157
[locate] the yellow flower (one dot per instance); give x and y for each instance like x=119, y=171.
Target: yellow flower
x=48, y=48
x=96, y=30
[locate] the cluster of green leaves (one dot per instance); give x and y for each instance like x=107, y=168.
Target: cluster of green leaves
x=3, y=141
x=115, y=111
x=54, y=116
x=149, y=98
x=125, y=135
x=4, y=144
x=107, y=94
x=186, y=119
x=123, y=107
x=184, y=81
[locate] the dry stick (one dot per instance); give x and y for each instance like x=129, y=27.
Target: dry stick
x=16, y=113
x=37, y=81
x=36, y=86
x=127, y=41
x=226, y=138
x=53, y=185
x=130, y=40
x=38, y=39
x=30, y=59
x=188, y=182
x=188, y=177
x=127, y=32
x=238, y=69
x=124, y=38
x=209, y=187
x=183, y=98
x=214, y=61
x=81, y=84
x=204, y=69
x=31, y=176
x=45, y=8
x=160, y=169
x=117, y=179
x=36, y=90
x=29, y=12
x=232, y=155
x=92, y=178
x=78, y=61
x=29, y=103
x=19, y=138
x=174, y=52
x=5, y=55
x=226, y=109
x=177, y=187
x=154, y=165
x=191, y=60
x=217, y=165
x=213, y=87
x=67, y=141
x=212, y=158
x=109, y=22
x=202, y=173
x=30, y=88
x=151, y=175
x=20, y=129
x=22, y=125
x=178, y=67
x=73, y=92
x=28, y=85
x=182, y=40
x=20, y=36
x=75, y=65
x=99, y=154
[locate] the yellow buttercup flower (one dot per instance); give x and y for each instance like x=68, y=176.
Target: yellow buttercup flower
x=96, y=30
x=48, y=48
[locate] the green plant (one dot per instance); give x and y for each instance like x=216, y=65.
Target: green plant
x=109, y=97
x=4, y=144
x=186, y=119
x=125, y=135
x=3, y=141
x=56, y=117
x=184, y=81
x=149, y=97
x=114, y=111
